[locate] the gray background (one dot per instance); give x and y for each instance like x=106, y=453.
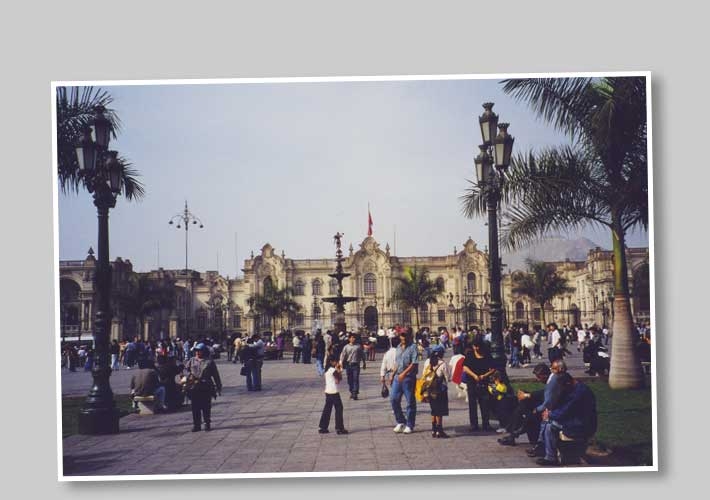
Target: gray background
x=86, y=40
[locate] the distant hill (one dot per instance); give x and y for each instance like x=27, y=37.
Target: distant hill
x=551, y=249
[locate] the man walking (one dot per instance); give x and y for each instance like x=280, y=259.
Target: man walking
x=403, y=382
x=350, y=358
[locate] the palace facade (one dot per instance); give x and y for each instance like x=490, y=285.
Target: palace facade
x=209, y=303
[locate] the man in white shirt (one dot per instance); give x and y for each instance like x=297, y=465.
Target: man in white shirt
x=389, y=361
x=554, y=350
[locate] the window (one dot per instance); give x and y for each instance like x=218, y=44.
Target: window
x=471, y=283
x=236, y=320
x=442, y=315
x=424, y=314
x=407, y=317
x=440, y=285
x=299, y=289
x=201, y=320
x=316, y=287
x=370, y=284
x=536, y=314
x=299, y=319
x=316, y=312
x=519, y=310
x=268, y=283
x=333, y=286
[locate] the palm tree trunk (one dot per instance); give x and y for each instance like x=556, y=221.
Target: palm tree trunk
x=416, y=315
x=625, y=368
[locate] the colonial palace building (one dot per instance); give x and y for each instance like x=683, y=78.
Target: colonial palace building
x=218, y=306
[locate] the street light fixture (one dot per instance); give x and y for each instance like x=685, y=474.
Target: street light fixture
x=101, y=172
x=184, y=219
x=495, y=151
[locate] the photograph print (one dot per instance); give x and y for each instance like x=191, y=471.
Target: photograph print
x=354, y=276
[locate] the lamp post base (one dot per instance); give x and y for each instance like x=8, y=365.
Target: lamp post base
x=95, y=421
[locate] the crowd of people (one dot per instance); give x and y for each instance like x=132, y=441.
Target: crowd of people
x=175, y=372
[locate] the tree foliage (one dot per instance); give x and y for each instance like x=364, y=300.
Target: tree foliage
x=415, y=290
x=75, y=111
x=541, y=283
x=273, y=303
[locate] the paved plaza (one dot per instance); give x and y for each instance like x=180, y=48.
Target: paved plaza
x=276, y=431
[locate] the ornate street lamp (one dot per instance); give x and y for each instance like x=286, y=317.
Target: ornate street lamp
x=184, y=219
x=101, y=172
x=495, y=151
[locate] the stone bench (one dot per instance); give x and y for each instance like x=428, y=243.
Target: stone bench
x=569, y=450
x=144, y=404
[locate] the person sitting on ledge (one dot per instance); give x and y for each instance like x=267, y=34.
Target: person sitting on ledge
x=575, y=417
x=145, y=382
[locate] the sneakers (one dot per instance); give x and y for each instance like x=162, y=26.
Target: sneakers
x=342, y=431
x=407, y=430
x=323, y=431
x=501, y=430
x=399, y=428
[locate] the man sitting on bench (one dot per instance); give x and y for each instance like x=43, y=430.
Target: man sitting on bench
x=145, y=383
x=575, y=417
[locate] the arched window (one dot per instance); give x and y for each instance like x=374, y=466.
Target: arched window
x=299, y=289
x=440, y=285
x=333, y=286
x=471, y=282
x=268, y=283
x=299, y=319
x=370, y=284
x=519, y=310
x=316, y=312
x=316, y=287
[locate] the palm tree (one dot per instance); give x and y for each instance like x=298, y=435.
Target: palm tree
x=541, y=283
x=273, y=303
x=601, y=180
x=415, y=290
x=144, y=296
x=75, y=111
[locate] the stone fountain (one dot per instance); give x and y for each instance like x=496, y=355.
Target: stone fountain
x=339, y=300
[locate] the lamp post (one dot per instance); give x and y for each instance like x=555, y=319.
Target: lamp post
x=495, y=151
x=101, y=172
x=184, y=219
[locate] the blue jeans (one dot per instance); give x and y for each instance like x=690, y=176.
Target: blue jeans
x=399, y=389
x=514, y=361
x=548, y=437
x=353, y=372
x=254, y=375
x=319, y=367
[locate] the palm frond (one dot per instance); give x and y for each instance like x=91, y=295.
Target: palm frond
x=564, y=102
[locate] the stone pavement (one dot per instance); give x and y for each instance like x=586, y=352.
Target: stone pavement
x=275, y=431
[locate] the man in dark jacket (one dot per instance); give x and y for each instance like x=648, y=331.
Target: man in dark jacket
x=575, y=416
x=204, y=383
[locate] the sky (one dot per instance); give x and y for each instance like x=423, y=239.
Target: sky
x=291, y=164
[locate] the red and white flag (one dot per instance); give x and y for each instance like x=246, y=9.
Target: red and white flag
x=369, y=222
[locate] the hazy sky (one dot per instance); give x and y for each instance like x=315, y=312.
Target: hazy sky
x=292, y=163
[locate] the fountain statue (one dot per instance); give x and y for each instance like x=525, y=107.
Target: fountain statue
x=339, y=300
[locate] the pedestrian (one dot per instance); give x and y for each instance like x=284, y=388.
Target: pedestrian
x=437, y=375
x=403, y=382
x=280, y=339
x=257, y=363
x=202, y=384
x=296, y=348
x=350, y=357
x=477, y=366
x=554, y=350
x=115, y=350
x=333, y=377
x=319, y=351
x=306, y=346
